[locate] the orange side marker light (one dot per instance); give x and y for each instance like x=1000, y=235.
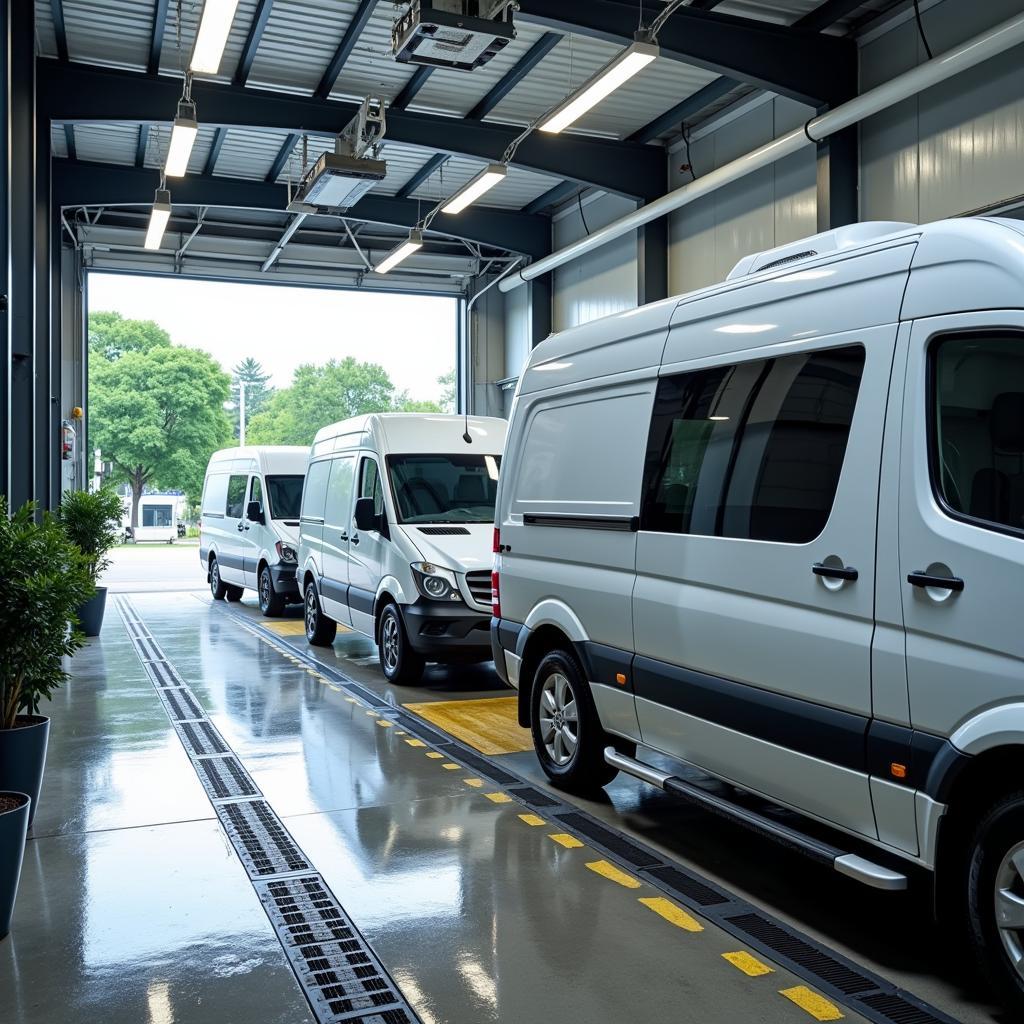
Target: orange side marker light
x=620, y=678
x=898, y=771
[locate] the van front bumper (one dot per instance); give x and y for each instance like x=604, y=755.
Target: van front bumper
x=285, y=582
x=439, y=632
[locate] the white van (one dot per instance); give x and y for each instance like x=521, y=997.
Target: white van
x=775, y=530
x=249, y=530
x=397, y=520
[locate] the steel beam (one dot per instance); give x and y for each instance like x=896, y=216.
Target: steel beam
x=283, y=154
x=692, y=105
x=69, y=140
x=252, y=41
x=296, y=223
x=80, y=94
x=555, y=195
x=800, y=64
x=652, y=262
x=59, y=29
x=140, y=146
x=838, y=180
x=515, y=75
x=78, y=183
x=412, y=87
x=215, y=148
x=827, y=14
x=156, y=44
x=360, y=18
x=424, y=173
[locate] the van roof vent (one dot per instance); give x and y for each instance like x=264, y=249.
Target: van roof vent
x=849, y=237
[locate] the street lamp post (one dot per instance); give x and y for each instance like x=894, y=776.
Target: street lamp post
x=230, y=407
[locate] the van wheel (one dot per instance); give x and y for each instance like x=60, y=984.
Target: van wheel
x=320, y=630
x=218, y=587
x=995, y=897
x=398, y=661
x=233, y=593
x=271, y=602
x=567, y=733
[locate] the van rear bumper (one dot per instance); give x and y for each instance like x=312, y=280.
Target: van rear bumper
x=438, y=632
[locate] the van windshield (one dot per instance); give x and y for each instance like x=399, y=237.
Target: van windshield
x=285, y=496
x=444, y=488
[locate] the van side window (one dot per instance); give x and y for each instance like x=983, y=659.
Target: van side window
x=215, y=496
x=314, y=493
x=370, y=486
x=751, y=451
x=339, y=491
x=977, y=427
x=256, y=491
x=236, y=497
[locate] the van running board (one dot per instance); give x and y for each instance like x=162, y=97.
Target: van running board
x=850, y=864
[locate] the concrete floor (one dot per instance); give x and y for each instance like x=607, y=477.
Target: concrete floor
x=134, y=906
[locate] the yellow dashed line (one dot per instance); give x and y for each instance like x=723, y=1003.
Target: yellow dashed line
x=532, y=819
x=351, y=700
x=673, y=914
x=566, y=840
x=475, y=783
x=433, y=754
x=384, y=723
x=402, y=734
x=499, y=798
x=749, y=965
x=451, y=766
x=817, y=1006
x=613, y=874
x=416, y=743
x=371, y=713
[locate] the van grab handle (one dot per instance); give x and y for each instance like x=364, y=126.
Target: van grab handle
x=835, y=572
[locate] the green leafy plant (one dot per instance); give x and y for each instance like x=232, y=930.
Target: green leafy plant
x=93, y=522
x=45, y=579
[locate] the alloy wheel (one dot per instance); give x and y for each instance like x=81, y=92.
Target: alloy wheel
x=1009, y=906
x=214, y=578
x=312, y=612
x=265, y=594
x=390, y=640
x=559, y=719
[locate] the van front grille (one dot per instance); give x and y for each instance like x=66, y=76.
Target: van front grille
x=479, y=584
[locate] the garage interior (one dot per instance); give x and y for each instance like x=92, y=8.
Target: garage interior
x=448, y=881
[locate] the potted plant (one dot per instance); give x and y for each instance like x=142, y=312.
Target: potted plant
x=14, y=808
x=93, y=523
x=46, y=579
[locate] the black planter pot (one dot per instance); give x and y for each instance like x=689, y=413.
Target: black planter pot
x=23, y=756
x=90, y=614
x=13, y=829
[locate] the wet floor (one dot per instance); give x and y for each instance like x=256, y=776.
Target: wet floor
x=135, y=907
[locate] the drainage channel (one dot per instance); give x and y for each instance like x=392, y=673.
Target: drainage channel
x=337, y=970
x=835, y=975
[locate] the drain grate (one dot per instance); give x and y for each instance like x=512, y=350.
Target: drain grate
x=224, y=778
x=261, y=841
x=200, y=739
x=163, y=674
x=535, y=797
x=481, y=766
x=901, y=1010
x=342, y=978
x=147, y=649
x=614, y=843
x=683, y=883
x=181, y=705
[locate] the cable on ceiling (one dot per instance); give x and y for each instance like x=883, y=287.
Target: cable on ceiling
x=583, y=216
x=920, y=29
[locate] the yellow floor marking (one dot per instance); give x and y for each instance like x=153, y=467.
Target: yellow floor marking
x=451, y=766
x=475, y=783
x=372, y=713
x=416, y=743
x=291, y=627
x=566, y=840
x=817, y=1006
x=490, y=725
x=384, y=723
x=749, y=965
x=499, y=798
x=613, y=874
x=402, y=734
x=673, y=914
x=532, y=819
x=436, y=755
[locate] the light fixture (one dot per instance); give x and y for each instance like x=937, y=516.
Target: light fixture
x=491, y=175
x=183, y=138
x=212, y=36
x=614, y=74
x=158, y=218
x=401, y=252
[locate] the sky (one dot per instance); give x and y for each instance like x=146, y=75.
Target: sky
x=413, y=337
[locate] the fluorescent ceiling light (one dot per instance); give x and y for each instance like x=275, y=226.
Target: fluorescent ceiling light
x=212, y=36
x=620, y=70
x=158, y=218
x=412, y=244
x=491, y=175
x=183, y=138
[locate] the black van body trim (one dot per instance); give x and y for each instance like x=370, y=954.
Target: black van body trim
x=619, y=524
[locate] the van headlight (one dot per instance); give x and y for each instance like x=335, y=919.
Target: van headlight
x=436, y=583
x=286, y=553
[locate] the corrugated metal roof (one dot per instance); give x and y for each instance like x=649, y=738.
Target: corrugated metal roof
x=173, y=60
x=106, y=143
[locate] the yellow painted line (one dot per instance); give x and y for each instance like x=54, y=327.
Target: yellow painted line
x=435, y=755
x=613, y=874
x=451, y=766
x=416, y=743
x=384, y=723
x=749, y=965
x=499, y=798
x=817, y=1006
x=673, y=914
x=372, y=714
x=490, y=725
x=532, y=819
x=475, y=783
x=566, y=840
x=402, y=734
x=293, y=627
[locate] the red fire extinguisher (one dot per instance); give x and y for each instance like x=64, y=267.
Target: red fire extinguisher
x=68, y=438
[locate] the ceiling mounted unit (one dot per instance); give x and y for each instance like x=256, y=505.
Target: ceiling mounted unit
x=458, y=34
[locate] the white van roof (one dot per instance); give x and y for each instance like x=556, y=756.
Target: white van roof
x=954, y=266
x=413, y=434
x=287, y=460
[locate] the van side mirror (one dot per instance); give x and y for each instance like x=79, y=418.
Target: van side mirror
x=254, y=512
x=366, y=518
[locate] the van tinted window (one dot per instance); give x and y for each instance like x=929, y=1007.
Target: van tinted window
x=751, y=451
x=236, y=496
x=977, y=428
x=215, y=496
x=370, y=486
x=314, y=493
x=339, y=491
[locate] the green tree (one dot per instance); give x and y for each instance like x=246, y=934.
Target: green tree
x=406, y=404
x=447, y=382
x=250, y=372
x=111, y=336
x=318, y=396
x=157, y=413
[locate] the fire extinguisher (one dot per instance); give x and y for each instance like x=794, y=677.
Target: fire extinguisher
x=68, y=438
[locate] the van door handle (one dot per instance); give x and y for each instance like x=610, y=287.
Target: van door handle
x=835, y=572
x=241, y=527
x=922, y=579
x=343, y=536
x=355, y=538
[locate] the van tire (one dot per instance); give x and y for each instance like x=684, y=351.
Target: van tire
x=271, y=602
x=560, y=686
x=320, y=630
x=1000, y=830
x=398, y=661
x=234, y=593
x=218, y=587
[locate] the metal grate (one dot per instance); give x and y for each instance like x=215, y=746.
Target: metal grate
x=342, y=978
x=479, y=583
x=224, y=778
x=445, y=531
x=261, y=841
x=147, y=649
x=900, y=1010
x=787, y=259
x=534, y=797
x=481, y=766
x=181, y=705
x=687, y=885
x=200, y=739
x=613, y=842
x=163, y=674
